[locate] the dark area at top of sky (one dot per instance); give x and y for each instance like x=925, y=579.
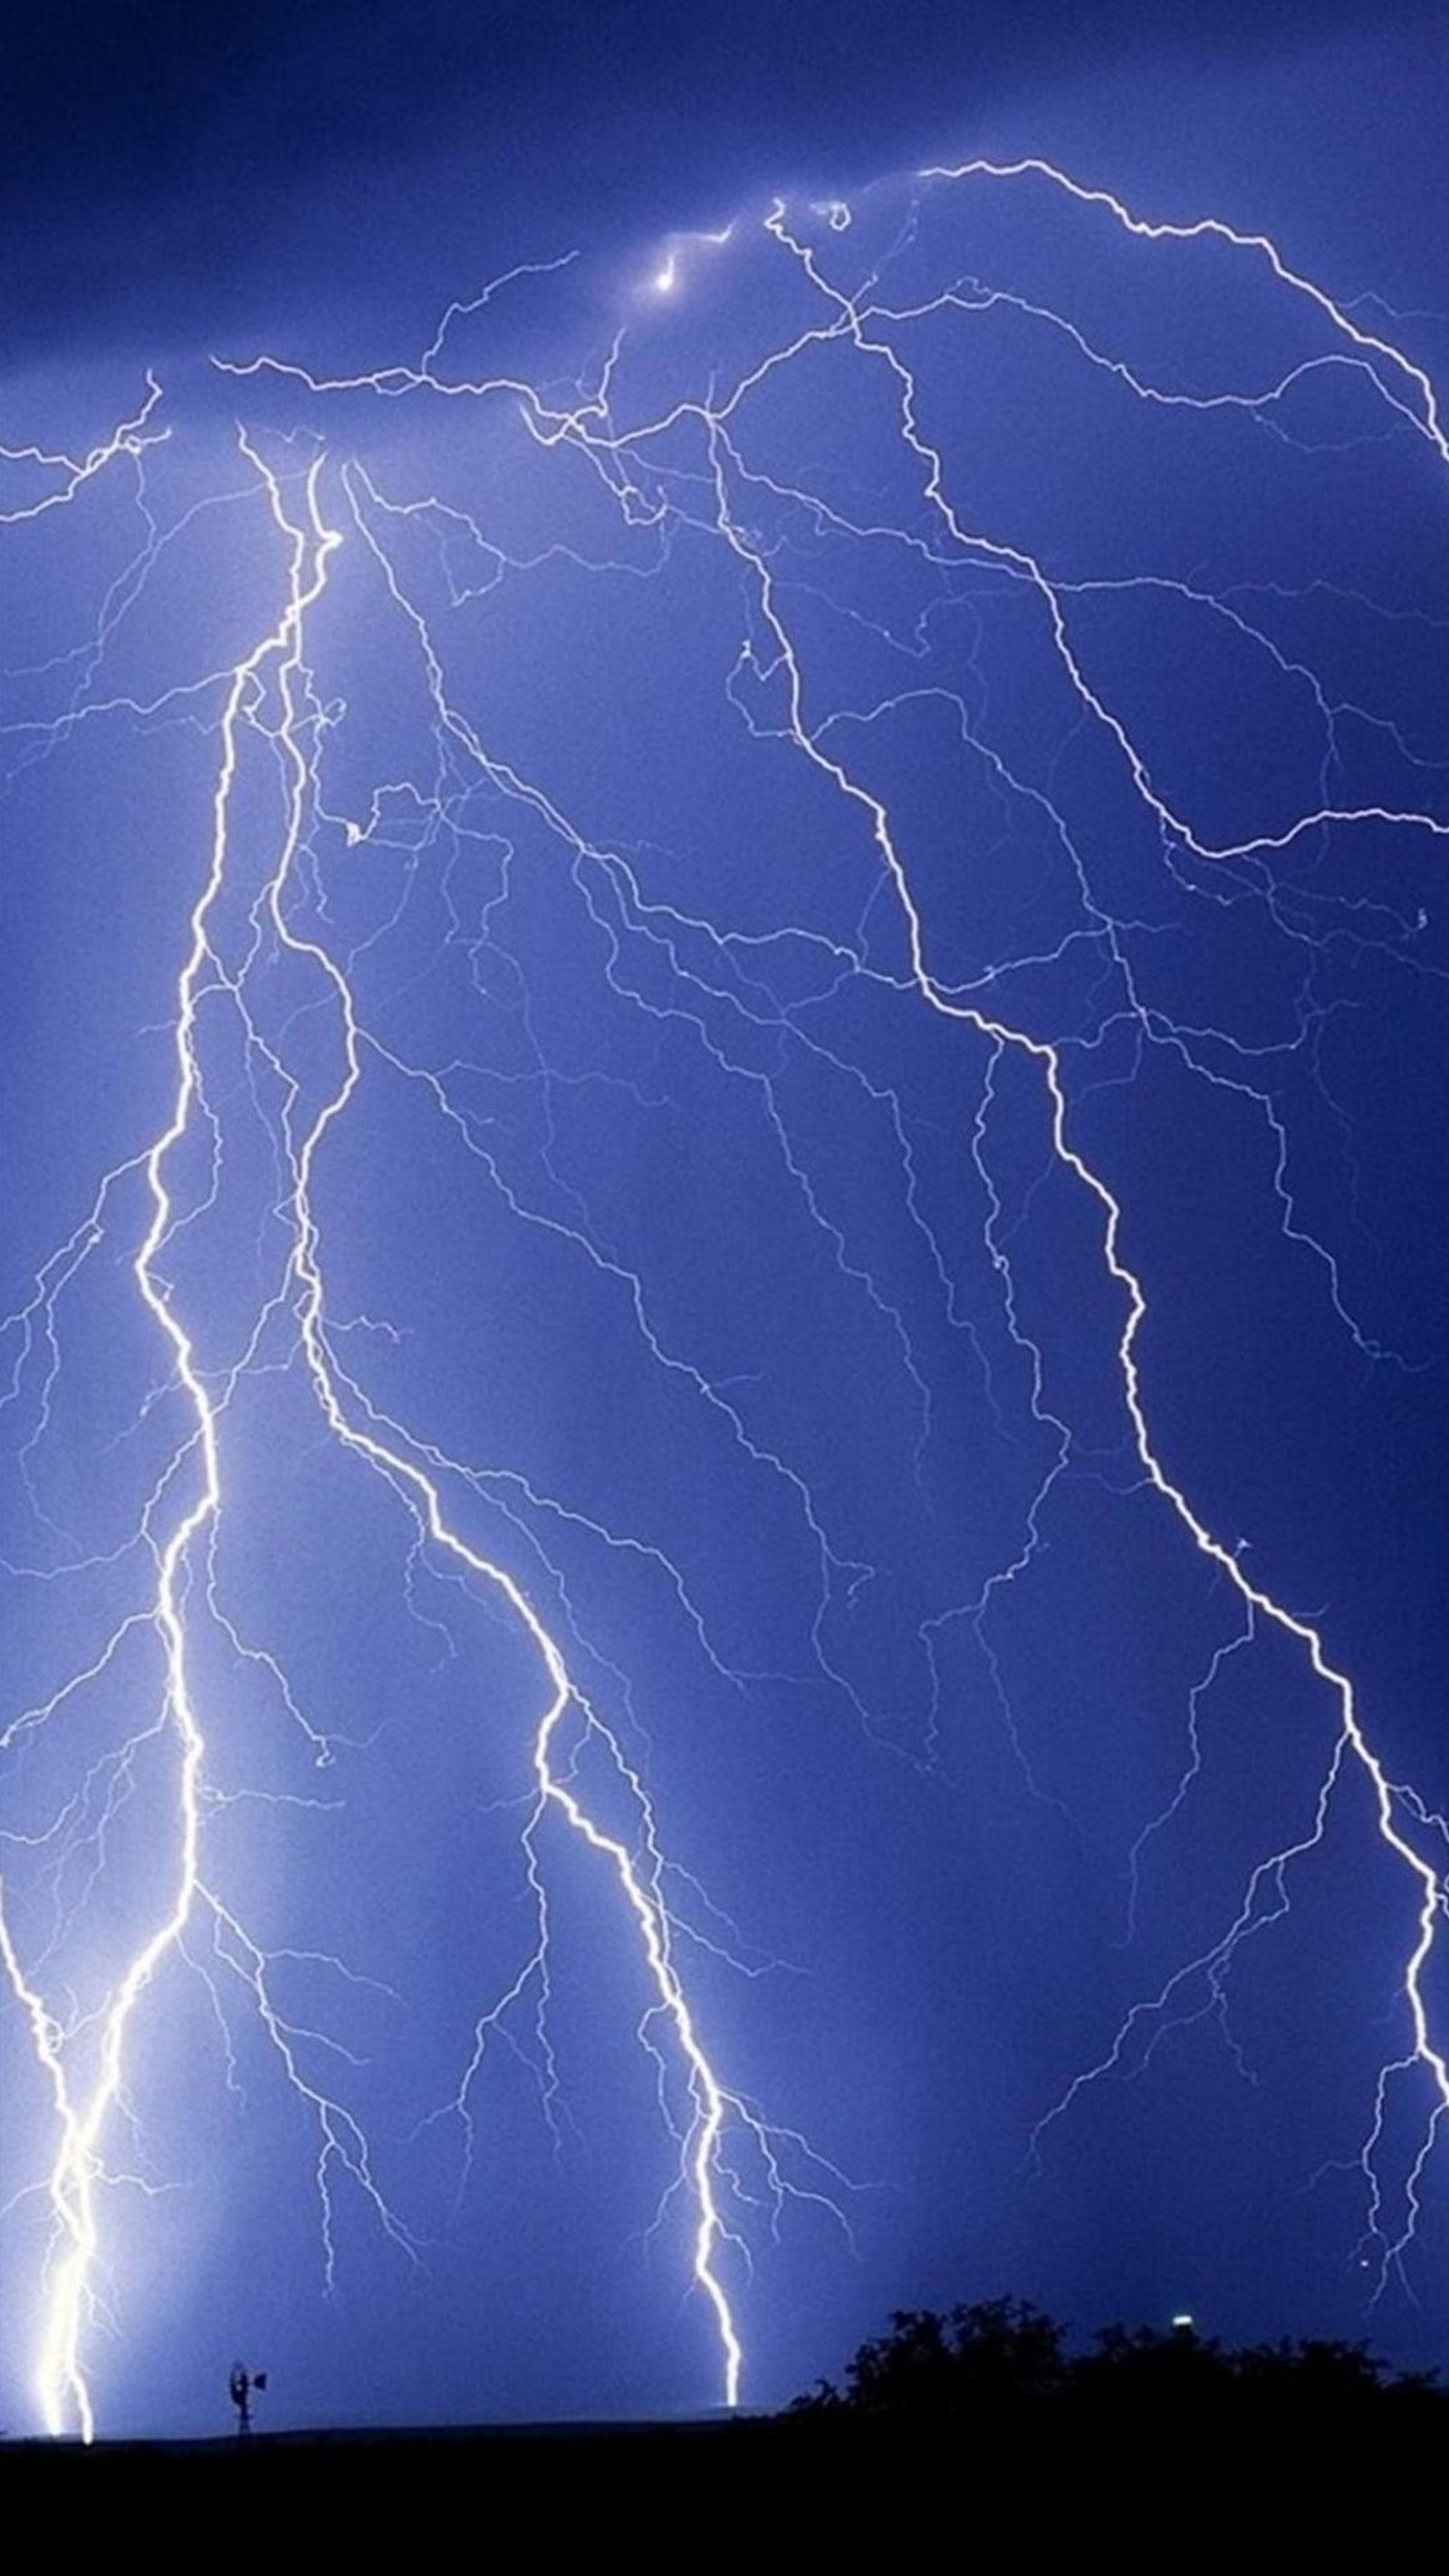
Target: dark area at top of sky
x=174, y=177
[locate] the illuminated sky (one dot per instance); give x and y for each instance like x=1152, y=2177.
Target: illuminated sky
x=723, y=991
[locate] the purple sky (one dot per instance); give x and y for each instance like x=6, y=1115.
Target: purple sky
x=627, y=946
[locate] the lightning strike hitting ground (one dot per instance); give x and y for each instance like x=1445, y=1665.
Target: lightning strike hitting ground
x=434, y=935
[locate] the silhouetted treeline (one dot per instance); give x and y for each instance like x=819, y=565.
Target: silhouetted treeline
x=1005, y=2354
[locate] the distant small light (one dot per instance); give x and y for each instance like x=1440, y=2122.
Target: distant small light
x=1182, y=2324
x=666, y=278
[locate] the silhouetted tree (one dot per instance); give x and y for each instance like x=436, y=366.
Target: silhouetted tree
x=1315, y=2370
x=1144, y=2364
x=1002, y=2352
x=994, y=2352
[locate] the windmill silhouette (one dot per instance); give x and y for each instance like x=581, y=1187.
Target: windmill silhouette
x=242, y=2386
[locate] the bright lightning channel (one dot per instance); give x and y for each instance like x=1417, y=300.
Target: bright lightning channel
x=83, y=2110
x=270, y=692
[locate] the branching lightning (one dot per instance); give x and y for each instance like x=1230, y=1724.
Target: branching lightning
x=284, y=1031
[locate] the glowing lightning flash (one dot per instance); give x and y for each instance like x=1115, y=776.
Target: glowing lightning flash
x=666, y=277
x=1432, y=1902
x=683, y=472
x=83, y=2114
x=709, y=2099
x=83, y=2110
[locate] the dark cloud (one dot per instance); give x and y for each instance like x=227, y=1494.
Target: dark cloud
x=146, y=152
x=128, y=102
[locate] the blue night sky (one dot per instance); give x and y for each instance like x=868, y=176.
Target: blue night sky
x=723, y=1003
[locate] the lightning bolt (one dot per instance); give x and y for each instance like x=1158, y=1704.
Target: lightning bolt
x=85, y=2104
x=264, y=956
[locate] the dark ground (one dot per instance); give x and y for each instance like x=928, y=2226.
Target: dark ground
x=1151, y=2490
